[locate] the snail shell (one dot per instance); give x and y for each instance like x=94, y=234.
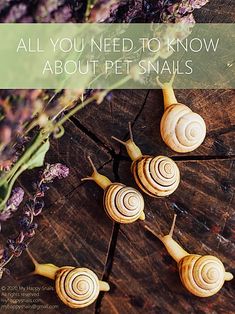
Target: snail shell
x=77, y=287
x=123, y=204
x=156, y=176
x=182, y=129
x=203, y=276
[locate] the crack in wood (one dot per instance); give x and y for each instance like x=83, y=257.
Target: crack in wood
x=202, y=158
x=109, y=263
x=92, y=136
x=113, y=239
x=141, y=108
x=179, y=209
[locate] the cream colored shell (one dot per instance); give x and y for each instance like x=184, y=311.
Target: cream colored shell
x=182, y=129
x=123, y=204
x=203, y=276
x=156, y=176
x=76, y=287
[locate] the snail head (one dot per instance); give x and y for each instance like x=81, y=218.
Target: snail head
x=168, y=92
x=132, y=149
x=101, y=180
x=45, y=270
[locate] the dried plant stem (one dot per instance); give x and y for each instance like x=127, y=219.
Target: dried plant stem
x=24, y=158
x=2, y=265
x=21, y=165
x=88, y=101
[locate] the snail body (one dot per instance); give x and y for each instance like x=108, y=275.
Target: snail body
x=76, y=287
x=203, y=276
x=181, y=129
x=122, y=204
x=156, y=176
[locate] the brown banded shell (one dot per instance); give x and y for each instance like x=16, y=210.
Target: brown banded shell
x=182, y=129
x=123, y=204
x=77, y=287
x=156, y=176
x=203, y=276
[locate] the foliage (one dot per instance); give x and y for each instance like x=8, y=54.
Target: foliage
x=32, y=208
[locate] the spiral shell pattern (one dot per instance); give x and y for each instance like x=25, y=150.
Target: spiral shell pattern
x=182, y=129
x=123, y=204
x=77, y=287
x=203, y=276
x=156, y=176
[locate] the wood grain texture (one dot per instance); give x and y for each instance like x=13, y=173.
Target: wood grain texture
x=144, y=109
x=144, y=276
x=74, y=229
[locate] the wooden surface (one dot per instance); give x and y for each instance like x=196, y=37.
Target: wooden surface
x=74, y=229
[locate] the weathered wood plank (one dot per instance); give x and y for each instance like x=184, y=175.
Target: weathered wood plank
x=59, y=229
x=74, y=229
x=144, y=278
x=216, y=11
x=111, y=117
x=146, y=109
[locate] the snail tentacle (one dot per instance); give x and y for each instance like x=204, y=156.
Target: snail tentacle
x=122, y=204
x=101, y=180
x=203, y=276
x=156, y=176
x=181, y=129
x=45, y=270
x=168, y=92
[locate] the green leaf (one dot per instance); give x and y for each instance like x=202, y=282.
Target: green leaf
x=3, y=193
x=37, y=160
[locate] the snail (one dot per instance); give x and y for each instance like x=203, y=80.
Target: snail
x=156, y=176
x=203, y=276
x=123, y=204
x=181, y=129
x=76, y=287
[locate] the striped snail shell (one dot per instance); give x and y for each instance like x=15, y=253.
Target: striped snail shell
x=203, y=276
x=156, y=176
x=182, y=129
x=77, y=287
x=123, y=204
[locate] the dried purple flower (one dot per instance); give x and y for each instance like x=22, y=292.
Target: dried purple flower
x=38, y=208
x=24, y=223
x=16, y=198
x=5, y=133
x=6, y=254
x=13, y=203
x=166, y=11
x=33, y=207
x=197, y=4
x=19, y=249
x=54, y=171
x=6, y=214
x=14, y=248
x=63, y=14
x=109, y=96
x=16, y=12
x=180, y=11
